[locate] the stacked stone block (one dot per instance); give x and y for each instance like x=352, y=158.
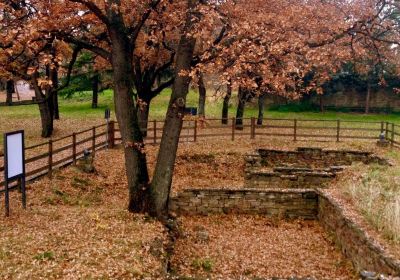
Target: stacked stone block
x=356, y=244
x=303, y=168
x=284, y=203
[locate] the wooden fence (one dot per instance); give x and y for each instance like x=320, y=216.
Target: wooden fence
x=290, y=129
x=43, y=158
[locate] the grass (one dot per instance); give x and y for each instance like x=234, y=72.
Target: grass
x=205, y=264
x=48, y=255
x=376, y=194
x=76, y=113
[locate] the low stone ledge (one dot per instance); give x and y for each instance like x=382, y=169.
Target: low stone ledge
x=259, y=179
x=302, y=168
x=283, y=203
x=365, y=252
x=305, y=157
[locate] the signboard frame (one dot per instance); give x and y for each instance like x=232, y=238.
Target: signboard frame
x=19, y=176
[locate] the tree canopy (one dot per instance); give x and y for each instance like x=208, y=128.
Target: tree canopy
x=268, y=45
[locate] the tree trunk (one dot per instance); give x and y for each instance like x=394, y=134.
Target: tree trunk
x=9, y=90
x=240, y=108
x=321, y=104
x=56, y=112
x=95, y=89
x=54, y=79
x=202, y=96
x=46, y=117
x=225, y=106
x=143, y=116
x=261, y=103
x=368, y=97
x=46, y=113
x=126, y=112
x=161, y=184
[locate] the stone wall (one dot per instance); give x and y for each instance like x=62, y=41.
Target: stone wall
x=309, y=157
x=300, y=180
x=361, y=249
x=278, y=203
x=303, y=168
x=364, y=252
x=350, y=97
x=353, y=99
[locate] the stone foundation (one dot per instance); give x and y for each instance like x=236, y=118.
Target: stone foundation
x=290, y=179
x=364, y=252
x=303, y=168
x=284, y=204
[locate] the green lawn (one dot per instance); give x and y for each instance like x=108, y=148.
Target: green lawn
x=80, y=107
x=78, y=110
x=213, y=110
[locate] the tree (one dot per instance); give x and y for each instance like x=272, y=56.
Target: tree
x=10, y=89
x=225, y=105
x=20, y=65
x=202, y=96
x=95, y=89
x=110, y=30
x=261, y=102
x=284, y=50
x=244, y=96
x=276, y=40
x=162, y=179
x=25, y=54
x=88, y=74
x=152, y=61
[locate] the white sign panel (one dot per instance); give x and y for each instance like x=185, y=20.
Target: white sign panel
x=15, y=158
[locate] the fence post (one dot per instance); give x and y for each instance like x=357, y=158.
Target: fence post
x=111, y=134
x=93, y=141
x=382, y=127
x=155, y=131
x=338, y=131
x=392, y=136
x=387, y=131
x=253, y=128
x=233, y=128
x=74, y=147
x=50, y=158
x=195, y=131
x=295, y=130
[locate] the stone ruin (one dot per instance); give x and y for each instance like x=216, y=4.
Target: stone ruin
x=287, y=185
x=302, y=168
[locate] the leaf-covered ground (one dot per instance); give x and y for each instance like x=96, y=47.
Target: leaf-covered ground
x=247, y=247
x=220, y=163
x=77, y=226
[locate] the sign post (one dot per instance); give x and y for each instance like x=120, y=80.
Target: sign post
x=14, y=165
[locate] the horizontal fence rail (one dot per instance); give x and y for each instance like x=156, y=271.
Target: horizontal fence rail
x=290, y=129
x=43, y=158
